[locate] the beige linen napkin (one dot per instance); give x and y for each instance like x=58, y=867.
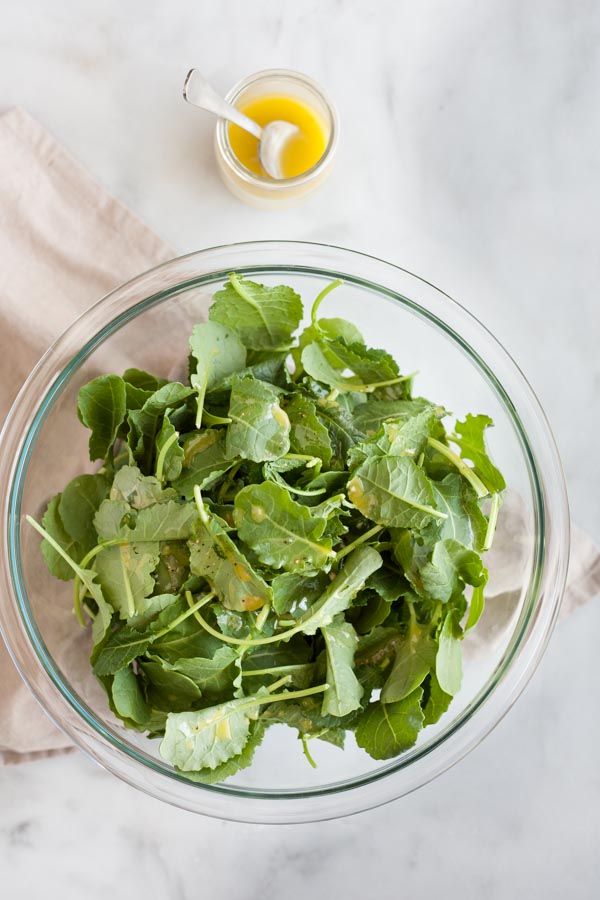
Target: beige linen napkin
x=64, y=242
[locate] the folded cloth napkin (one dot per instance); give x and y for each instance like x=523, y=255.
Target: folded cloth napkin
x=64, y=242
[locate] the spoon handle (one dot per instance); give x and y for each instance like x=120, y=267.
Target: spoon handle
x=198, y=92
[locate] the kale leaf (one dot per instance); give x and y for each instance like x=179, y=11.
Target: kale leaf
x=263, y=318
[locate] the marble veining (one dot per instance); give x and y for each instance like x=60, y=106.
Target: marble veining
x=470, y=154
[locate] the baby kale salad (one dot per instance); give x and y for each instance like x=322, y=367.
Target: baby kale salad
x=290, y=538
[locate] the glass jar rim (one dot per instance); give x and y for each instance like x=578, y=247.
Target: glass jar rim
x=271, y=185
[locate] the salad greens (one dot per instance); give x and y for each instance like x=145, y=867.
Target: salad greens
x=292, y=538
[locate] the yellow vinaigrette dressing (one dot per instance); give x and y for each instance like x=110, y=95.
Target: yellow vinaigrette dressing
x=301, y=152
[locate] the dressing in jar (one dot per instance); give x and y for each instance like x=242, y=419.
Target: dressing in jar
x=307, y=157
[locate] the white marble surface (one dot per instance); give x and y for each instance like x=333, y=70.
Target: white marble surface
x=470, y=154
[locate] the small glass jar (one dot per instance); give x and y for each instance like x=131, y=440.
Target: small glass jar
x=260, y=190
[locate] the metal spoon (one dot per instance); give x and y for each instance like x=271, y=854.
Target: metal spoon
x=272, y=138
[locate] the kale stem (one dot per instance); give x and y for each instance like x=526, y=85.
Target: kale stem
x=294, y=490
x=211, y=419
x=200, y=504
x=312, y=459
x=128, y=591
x=296, y=695
x=78, y=596
x=368, y=388
x=79, y=571
x=307, y=752
x=359, y=540
x=201, y=390
x=160, y=462
x=492, y=520
x=185, y=615
x=285, y=679
x=310, y=615
x=465, y=470
x=60, y=550
x=262, y=617
x=95, y=550
x=191, y=604
x=319, y=300
x=245, y=642
x=272, y=671
x=252, y=642
x=261, y=700
x=286, y=695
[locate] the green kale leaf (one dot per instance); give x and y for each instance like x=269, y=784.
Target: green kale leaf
x=125, y=573
x=145, y=423
x=386, y=729
x=263, y=318
x=448, y=664
x=128, y=697
x=204, y=739
x=394, y=491
x=415, y=658
x=167, y=688
x=308, y=435
x=359, y=564
x=282, y=533
x=101, y=407
x=217, y=353
x=344, y=691
x=435, y=701
x=471, y=440
x=440, y=572
x=203, y=462
x=259, y=427
x=215, y=557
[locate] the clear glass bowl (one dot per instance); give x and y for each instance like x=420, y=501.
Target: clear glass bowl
x=145, y=323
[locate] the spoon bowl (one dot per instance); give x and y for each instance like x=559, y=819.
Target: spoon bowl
x=272, y=138
x=271, y=148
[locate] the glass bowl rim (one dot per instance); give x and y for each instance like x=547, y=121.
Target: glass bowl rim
x=105, y=747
